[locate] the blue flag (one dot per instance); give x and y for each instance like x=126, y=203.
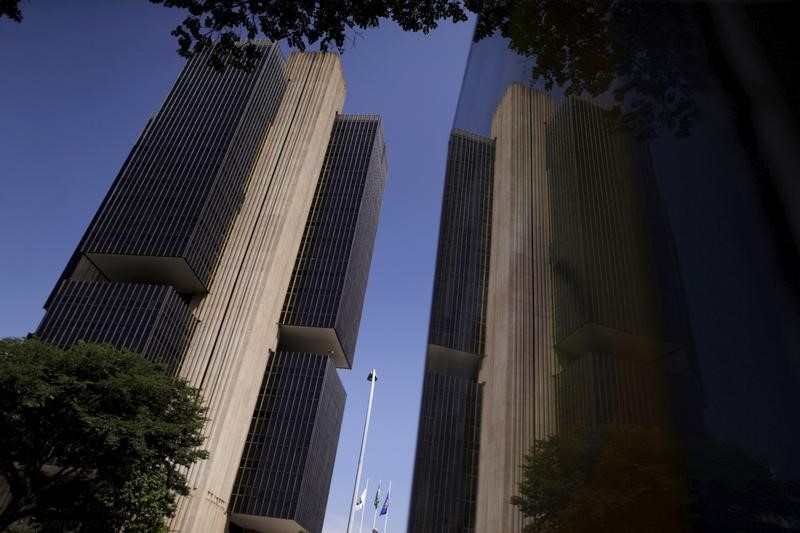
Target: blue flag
x=385, y=508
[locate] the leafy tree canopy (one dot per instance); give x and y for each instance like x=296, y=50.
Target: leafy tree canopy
x=647, y=56
x=92, y=438
x=634, y=479
x=10, y=9
x=301, y=23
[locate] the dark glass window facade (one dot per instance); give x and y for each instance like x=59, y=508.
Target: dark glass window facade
x=151, y=320
x=601, y=251
x=458, y=311
x=185, y=179
x=445, y=482
x=596, y=390
x=330, y=276
x=287, y=464
x=286, y=468
x=446, y=465
x=620, y=314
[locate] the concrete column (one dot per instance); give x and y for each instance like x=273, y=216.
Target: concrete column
x=518, y=393
x=238, y=317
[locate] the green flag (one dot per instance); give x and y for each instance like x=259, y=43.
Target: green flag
x=378, y=496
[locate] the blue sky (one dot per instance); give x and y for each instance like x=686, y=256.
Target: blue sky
x=78, y=84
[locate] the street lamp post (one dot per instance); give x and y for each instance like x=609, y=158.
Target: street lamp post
x=372, y=378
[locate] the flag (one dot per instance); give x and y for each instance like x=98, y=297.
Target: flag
x=360, y=500
x=385, y=508
x=378, y=496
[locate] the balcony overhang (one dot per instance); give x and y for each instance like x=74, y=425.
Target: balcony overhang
x=266, y=524
x=444, y=360
x=154, y=270
x=593, y=337
x=310, y=339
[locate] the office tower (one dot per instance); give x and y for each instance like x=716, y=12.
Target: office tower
x=286, y=467
x=191, y=255
x=672, y=264
x=621, y=324
x=322, y=310
x=287, y=464
x=444, y=488
x=151, y=320
x=582, y=318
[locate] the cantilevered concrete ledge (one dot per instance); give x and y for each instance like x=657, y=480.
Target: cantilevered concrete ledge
x=266, y=523
x=173, y=271
x=311, y=339
x=592, y=337
x=443, y=360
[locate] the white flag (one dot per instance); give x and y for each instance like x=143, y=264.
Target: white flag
x=360, y=500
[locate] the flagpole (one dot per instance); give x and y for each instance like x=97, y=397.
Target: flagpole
x=377, y=503
x=386, y=518
x=372, y=378
x=364, y=506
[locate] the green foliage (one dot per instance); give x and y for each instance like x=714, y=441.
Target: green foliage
x=93, y=438
x=10, y=9
x=633, y=479
x=301, y=24
x=649, y=57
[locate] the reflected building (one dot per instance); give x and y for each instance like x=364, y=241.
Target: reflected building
x=627, y=282
x=234, y=248
x=621, y=323
x=585, y=323
x=518, y=402
x=445, y=486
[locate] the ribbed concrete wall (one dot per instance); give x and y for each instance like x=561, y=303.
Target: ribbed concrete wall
x=238, y=318
x=286, y=469
x=518, y=370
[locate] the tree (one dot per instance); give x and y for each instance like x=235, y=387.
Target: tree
x=92, y=438
x=220, y=25
x=301, y=24
x=650, y=58
x=647, y=55
x=10, y=9
x=633, y=479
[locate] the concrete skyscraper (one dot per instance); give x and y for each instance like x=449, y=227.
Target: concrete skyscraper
x=626, y=282
x=286, y=467
x=234, y=247
x=622, y=331
x=520, y=361
x=557, y=306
